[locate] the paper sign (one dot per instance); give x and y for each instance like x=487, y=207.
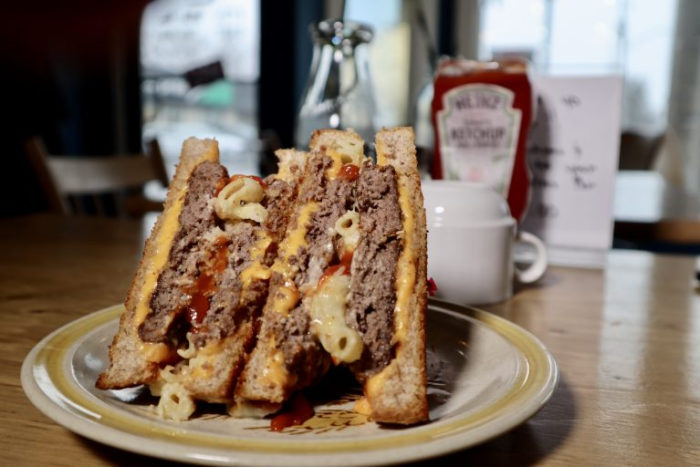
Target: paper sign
x=572, y=156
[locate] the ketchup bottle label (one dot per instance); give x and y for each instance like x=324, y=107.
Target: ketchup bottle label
x=478, y=134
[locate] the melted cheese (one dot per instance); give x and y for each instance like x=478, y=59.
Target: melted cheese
x=285, y=298
x=296, y=238
x=256, y=270
x=337, y=157
x=169, y=226
x=166, y=234
x=275, y=371
x=406, y=268
x=156, y=352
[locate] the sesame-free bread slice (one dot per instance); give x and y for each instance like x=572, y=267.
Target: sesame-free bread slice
x=397, y=394
x=132, y=361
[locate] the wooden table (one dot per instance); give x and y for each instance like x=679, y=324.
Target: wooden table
x=650, y=209
x=627, y=341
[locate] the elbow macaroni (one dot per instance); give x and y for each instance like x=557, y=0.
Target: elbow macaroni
x=240, y=199
x=345, y=152
x=175, y=401
x=190, y=351
x=328, y=315
x=349, y=152
x=348, y=227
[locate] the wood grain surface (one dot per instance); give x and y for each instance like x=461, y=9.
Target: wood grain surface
x=627, y=341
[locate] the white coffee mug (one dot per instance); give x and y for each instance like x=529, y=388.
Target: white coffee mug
x=470, y=243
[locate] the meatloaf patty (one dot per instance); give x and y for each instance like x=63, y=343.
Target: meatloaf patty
x=372, y=292
x=168, y=302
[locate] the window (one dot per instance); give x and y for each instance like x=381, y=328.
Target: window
x=388, y=56
x=200, y=68
x=633, y=38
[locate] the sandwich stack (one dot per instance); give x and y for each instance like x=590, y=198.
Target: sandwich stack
x=249, y=290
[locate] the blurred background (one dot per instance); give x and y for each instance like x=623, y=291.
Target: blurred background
x=101, y=78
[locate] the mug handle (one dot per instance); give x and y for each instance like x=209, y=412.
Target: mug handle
x=539, y=266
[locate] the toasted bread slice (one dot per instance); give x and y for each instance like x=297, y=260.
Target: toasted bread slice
x=397, y=394
x=133, y=361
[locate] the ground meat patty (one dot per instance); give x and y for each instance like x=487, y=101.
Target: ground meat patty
x=279, y=197
x=168, y=301
x=303, y=356
x=372, y=291
x=230, y=304
x=321, y=250
x=334, y=197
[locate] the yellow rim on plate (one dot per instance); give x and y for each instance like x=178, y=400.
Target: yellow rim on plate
x=47, y=367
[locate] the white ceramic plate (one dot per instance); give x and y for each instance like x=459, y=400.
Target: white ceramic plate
x=486, y=376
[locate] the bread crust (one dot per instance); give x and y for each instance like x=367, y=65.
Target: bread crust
x=397, y=394
x=128, y=365
x=290, y=165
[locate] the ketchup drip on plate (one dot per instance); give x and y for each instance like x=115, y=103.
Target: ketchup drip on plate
x=432, y=287
x=298, y=411
x=349, y=172
x=205, y=286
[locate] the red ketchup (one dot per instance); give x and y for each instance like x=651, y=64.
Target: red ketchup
x=349, y=172
x=481, y=113
x=205, y=286
x=298, y=411
x=344, y=264
x=199, y=303
x=432, y=287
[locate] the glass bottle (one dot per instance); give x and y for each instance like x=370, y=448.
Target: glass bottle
x=338, y=92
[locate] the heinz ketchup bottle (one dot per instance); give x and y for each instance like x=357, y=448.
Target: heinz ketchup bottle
x=481, y=114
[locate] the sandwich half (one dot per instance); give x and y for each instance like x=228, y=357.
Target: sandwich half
x=191, y=313
x=388, y=291
x=133, y=359
x=349, y=287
